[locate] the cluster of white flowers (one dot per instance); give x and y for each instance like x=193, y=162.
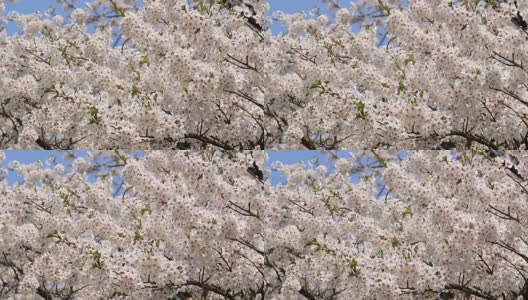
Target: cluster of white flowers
x=212, y=75
x=201, y=223
x=208, y=75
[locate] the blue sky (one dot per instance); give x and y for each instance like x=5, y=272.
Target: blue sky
x=31, y=6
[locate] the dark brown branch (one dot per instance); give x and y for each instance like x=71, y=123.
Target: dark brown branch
x=501, y=214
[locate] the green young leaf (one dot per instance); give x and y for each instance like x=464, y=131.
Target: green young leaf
x=353, y=265
x=401, y=87
x=361, y=113
x=144, y=61
x=137, y=75
x=94, y=116
x=146, y=209
x=407, y=212
x=409, y=59
x=137, y=235
x=135, y=90
x=51, y=90
x=72, y=44
x=53, y=234
x=316, y=85
x=98, y=263
x=395, y=243
x=185, y=87
x=312, y=242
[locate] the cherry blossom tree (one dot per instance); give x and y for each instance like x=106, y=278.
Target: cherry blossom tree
x=446, y=74
x=77, y=240
x=181, y=78
x=209, y=225
x=169, y=75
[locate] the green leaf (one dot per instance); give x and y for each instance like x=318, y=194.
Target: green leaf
x=361, y=113
x=185, y=87
x=407, y=212
x=353, y=265
x=400, y=226
x=51, y=90
x=317, y=84
x=144, y=60
x=312, y=242
x=401, y=87
x=407, y=256
x=137, y=235
x=94, y=116
x=395, y=242
x=135, y=90
x=53, y=234
x=146, y=208
x=98, y=263
x=96, y=255
x=409, y=59
x=72, y=44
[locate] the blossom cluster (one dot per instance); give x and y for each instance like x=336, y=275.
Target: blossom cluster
x=446, y=74
x=197, y=223
x=433, y=92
